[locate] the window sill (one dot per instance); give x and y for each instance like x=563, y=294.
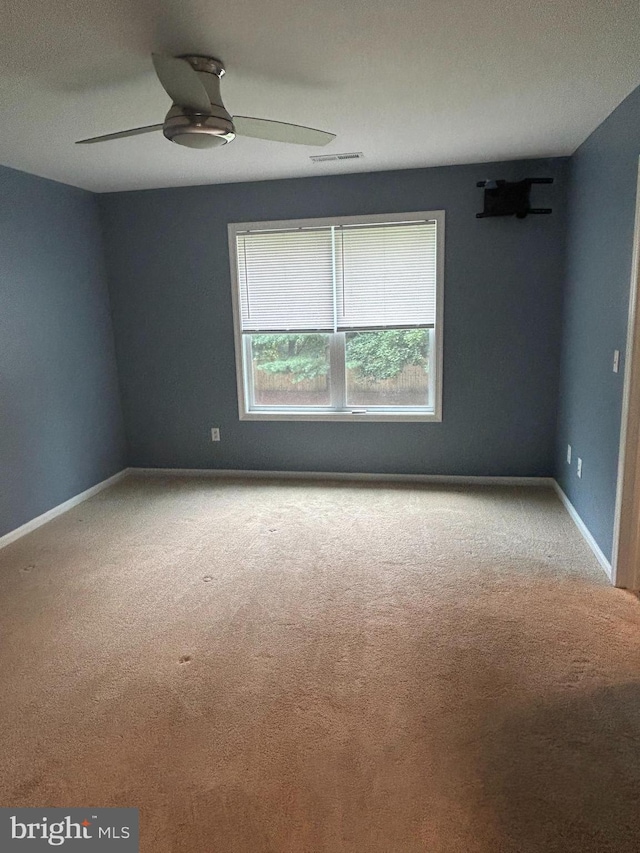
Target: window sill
x=367, y=417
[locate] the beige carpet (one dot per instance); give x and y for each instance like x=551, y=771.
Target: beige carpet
x=289, y=667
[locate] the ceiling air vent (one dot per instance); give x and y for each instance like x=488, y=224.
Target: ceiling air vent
x=332, y=158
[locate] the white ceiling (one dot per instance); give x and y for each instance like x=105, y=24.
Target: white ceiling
x=408, y=82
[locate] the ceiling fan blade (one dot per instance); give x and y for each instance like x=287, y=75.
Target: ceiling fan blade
x=150, y=128
x=280, y=131
x=181, y=83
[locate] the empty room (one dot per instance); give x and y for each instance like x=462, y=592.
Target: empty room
x=319, y=420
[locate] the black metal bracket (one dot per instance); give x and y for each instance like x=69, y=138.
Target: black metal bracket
x=510, y=198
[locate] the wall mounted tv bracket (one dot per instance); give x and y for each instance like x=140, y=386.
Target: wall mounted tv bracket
x=510, y=198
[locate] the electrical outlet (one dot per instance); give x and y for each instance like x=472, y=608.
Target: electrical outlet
x=616, y=360
x=568, y=454
x=215, y=433
x=579, y=467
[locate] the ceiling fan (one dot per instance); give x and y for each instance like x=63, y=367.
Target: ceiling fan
x=198, y=118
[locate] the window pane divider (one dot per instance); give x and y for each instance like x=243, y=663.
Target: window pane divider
x=338, y=378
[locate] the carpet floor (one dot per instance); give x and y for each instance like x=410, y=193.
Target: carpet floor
x=304, y=667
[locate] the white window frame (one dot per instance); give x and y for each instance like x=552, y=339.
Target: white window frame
x=387, y=414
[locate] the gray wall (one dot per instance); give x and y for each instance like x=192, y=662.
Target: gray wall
x=60, y=419
x=603, y=178
x=170, y=290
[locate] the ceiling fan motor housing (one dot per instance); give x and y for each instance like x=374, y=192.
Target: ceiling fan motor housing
x=197, y=130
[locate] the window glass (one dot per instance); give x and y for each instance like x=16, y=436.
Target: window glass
x=290, y=370
x=388, y=368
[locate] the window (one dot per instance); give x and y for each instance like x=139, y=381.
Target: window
x=339, y=319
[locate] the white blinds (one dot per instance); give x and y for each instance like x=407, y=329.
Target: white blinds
x=386, y=275
x=337, y=278
x=285, y=280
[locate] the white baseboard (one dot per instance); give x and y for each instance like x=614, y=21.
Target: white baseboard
x=584, y=530
x=328, y=475
x=32, y=525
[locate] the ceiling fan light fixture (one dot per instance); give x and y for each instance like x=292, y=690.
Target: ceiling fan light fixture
x=199, y=131
x=199, y=140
